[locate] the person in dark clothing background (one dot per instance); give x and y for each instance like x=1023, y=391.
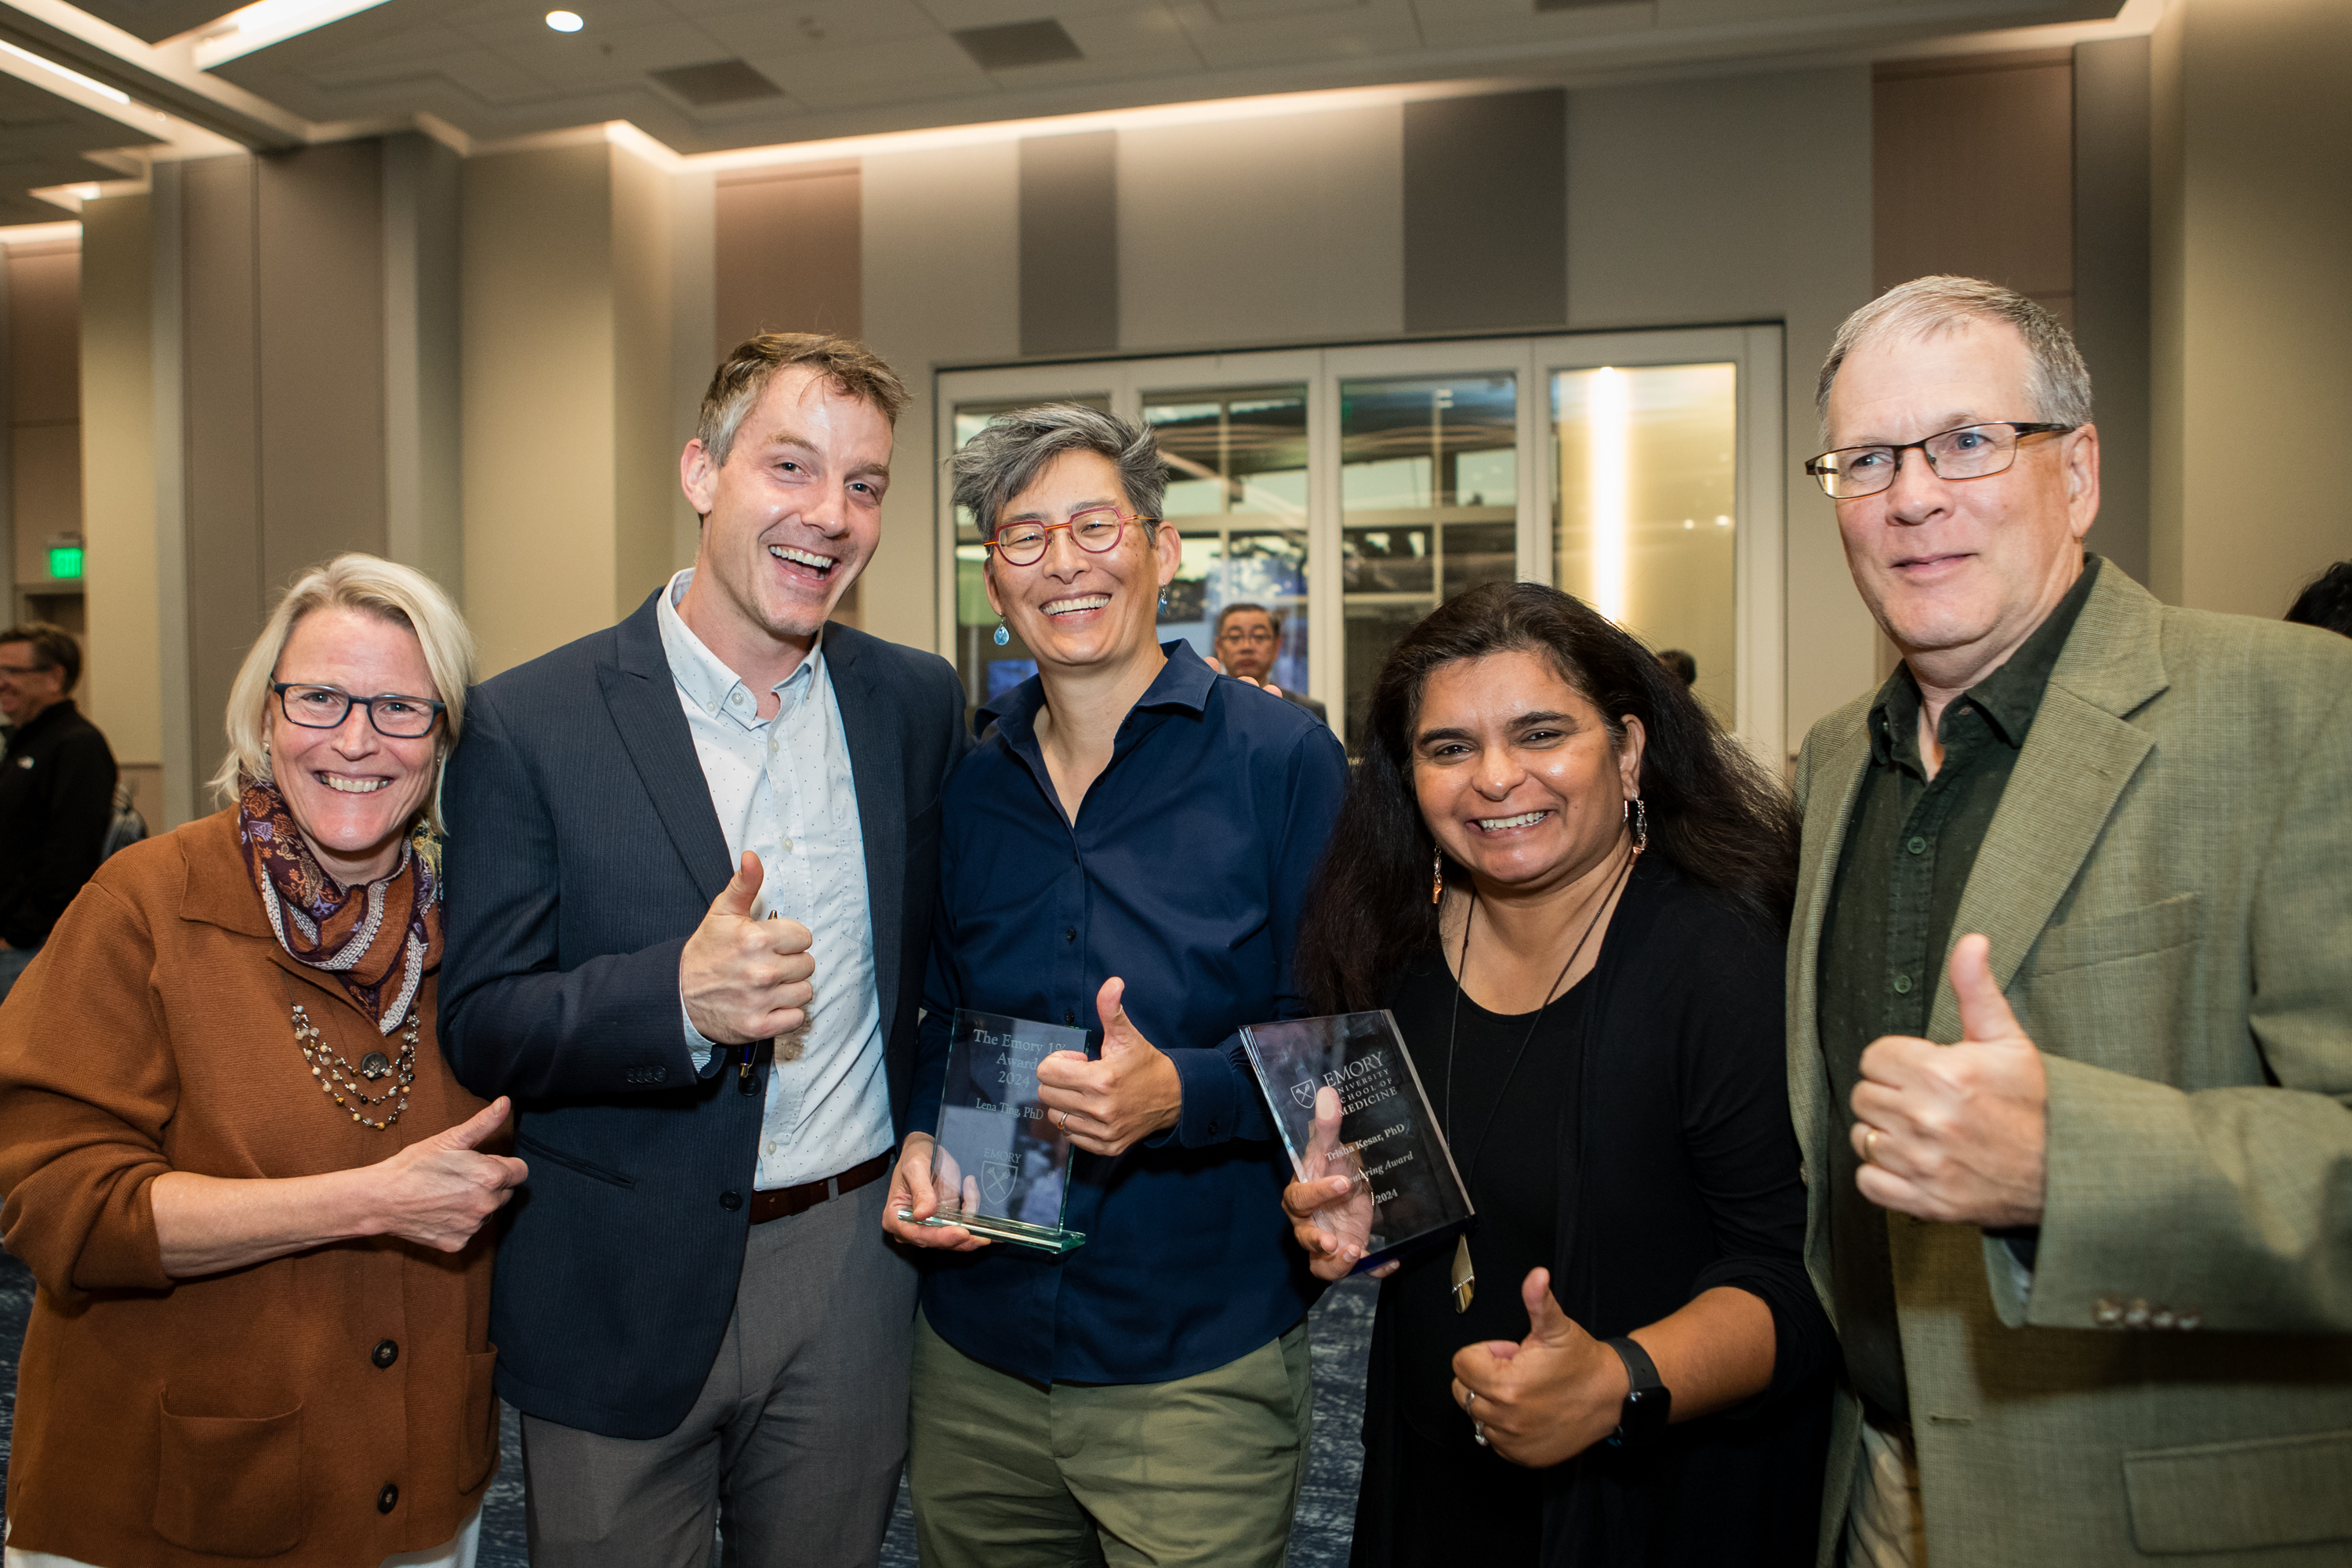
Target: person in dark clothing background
x=1570, y=888
x=2326, y=601
x=57, y=791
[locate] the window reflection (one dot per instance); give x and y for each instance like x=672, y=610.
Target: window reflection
x=1647, y=488
x=1236, y=462
x=1429, y=487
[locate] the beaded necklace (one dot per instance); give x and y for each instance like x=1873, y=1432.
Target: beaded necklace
x=337, y=1076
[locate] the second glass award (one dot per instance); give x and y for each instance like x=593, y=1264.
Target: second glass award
x=999, y=1164
x=1348, y=1104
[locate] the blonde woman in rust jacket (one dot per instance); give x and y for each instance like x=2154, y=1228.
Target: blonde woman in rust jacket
x=252, y=1196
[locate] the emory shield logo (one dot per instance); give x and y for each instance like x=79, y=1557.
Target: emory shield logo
x=1303, y=1092
x=996, y=1179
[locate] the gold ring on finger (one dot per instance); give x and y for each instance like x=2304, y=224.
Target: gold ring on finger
x=1870, y=1147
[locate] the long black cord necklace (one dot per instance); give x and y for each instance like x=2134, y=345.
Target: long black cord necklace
x=1464, y=1275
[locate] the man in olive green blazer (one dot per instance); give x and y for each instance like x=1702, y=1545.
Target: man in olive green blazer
x=2149, y=1056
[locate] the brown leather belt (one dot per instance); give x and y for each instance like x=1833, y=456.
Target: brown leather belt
x=785, y=1202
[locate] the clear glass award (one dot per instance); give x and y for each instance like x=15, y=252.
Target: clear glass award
x=998, y=1163
x=1349, y=1103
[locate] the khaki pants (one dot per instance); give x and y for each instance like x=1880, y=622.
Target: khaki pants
x=1202, y=1470
x=1884, y=1526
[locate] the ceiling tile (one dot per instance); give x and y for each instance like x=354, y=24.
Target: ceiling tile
x=955, y=14
x=623, y=58
x=157, y=20
x=805, y=28
x=877, y=73
x=1375, y=28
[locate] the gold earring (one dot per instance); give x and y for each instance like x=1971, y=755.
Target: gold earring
x=1437, y=876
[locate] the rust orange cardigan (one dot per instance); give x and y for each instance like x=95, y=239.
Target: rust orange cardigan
x=249, y=1415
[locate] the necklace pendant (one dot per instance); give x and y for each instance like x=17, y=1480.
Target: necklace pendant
x=1465, y=1278
x=374, y=1065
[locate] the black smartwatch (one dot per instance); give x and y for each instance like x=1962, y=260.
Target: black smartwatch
x=1647, y=1402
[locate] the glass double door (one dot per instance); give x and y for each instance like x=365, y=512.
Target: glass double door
x=1348, y=492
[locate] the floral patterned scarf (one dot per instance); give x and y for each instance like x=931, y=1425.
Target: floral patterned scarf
x=377, y=938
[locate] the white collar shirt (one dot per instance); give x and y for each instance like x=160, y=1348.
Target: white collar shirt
x=782, y=788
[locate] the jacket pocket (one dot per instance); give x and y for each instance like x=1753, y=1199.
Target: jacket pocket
x=231, y=1485
x=527, y=1144
x=2239, y=1497
x=480, y=1414
x=2127, y=933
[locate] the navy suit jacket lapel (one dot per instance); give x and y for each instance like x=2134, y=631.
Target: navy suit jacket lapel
x=869, y=727
x=641, y=696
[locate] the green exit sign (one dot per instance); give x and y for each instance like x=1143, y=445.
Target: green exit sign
x=65, y=561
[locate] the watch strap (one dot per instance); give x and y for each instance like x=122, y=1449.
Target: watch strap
x=1648, y=1400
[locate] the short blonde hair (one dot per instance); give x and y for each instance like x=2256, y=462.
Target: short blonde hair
x=373, y=587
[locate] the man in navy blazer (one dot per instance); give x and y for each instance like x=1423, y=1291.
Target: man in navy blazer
x=691, y=865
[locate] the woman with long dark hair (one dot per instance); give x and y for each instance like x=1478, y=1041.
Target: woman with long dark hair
x=1571, y=888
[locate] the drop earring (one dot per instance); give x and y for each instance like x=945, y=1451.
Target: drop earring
x=1001, y=637
x=1437, y=876
x=1637, y=817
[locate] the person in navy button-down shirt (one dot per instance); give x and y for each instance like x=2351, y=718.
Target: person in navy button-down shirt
x=1126, y=850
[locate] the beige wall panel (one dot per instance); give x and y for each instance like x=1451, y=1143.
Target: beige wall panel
x=538, y=390
x=943, y=286
x=2167, y=226
x=1973, y=172
x=44, y=345
x=1741, y=199
x=44, y=490
x=2252, y=306
x=644, y=464
x=117, y=408
x=693, y=304
x=318, y=257
x=787, y=255
x=1262, y=231
x=225, y=595
x=420, y=339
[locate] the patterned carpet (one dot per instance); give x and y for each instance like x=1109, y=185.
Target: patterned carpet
x=1340, y=1331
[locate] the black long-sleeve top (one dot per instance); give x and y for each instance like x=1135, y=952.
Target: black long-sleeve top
x=57, y=799
x=1677, y=1171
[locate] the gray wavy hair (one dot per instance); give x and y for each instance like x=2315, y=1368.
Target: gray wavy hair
x=2060, y=385
x=1006, y=458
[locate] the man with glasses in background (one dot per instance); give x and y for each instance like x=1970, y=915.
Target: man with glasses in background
x=1248, y=639
x=2089, y=1252
x=57, y=791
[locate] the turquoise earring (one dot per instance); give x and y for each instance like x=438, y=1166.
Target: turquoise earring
x=1001, y=636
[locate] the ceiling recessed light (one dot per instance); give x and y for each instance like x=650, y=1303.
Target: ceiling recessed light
x=565, y=21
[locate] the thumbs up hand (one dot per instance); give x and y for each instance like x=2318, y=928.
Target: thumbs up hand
x=745, y=979
x=1959, y=1133
x=1130, y=1093
x=1546, y=1398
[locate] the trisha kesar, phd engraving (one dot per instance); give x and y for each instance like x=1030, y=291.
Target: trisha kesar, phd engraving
x=1348, y=1102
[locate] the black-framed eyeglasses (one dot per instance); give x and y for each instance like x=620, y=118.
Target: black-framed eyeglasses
x=1965, y=452
x=326, y=708
x=1097, y=531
